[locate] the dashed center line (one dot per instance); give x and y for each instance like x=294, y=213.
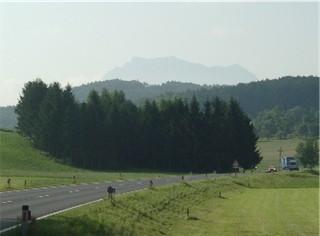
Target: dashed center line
x=42, y=196
x=6, y=202
x=74, y=191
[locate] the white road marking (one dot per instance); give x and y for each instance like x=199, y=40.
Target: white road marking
x=54, y=213
x=6, y=202
x=74, y=191
x=67, y=209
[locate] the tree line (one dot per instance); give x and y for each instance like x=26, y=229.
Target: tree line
x=299, y=121
x=287, y=92
x=109, y=132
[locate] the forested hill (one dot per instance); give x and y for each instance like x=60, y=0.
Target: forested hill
x=134, y=90
x=286, y=92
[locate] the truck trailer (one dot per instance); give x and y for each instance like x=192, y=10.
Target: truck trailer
x=289, y=163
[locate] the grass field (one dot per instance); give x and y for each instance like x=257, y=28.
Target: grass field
x=20, y=162
x=270, y=151
x=280, y=211
x=274, y=204
x=285, y=203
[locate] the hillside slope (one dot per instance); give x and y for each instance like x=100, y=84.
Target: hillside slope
x=134, y=90
x=287, y=92
x=254, y=97
x=20, y=161
x=8, y=118
x=17, y=156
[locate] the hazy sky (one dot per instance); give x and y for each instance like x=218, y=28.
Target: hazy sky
x=80, y=42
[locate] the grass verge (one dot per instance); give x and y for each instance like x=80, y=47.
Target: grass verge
x=229, y=206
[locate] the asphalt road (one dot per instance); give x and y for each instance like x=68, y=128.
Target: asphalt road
x=44, y=202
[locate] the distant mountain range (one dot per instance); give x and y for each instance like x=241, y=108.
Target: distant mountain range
x=173, y=69
x=166, y=71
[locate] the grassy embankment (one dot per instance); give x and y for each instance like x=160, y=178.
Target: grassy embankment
x=284, y=203
x=260, y=204
x=19, y=162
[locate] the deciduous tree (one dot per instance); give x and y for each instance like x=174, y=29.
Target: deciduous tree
x=308, y=153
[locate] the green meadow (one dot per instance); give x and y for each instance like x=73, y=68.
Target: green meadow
x=258, y=204
x=284, y=203
x=20, y=162
x=270, y=151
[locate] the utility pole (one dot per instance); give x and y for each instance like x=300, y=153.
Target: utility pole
x=280, y=155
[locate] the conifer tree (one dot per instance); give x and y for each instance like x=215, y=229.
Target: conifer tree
x=28, y=107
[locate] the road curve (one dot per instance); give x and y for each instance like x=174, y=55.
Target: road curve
x=44, y=202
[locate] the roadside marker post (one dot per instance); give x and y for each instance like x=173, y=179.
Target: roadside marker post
x=235, y=166
x=151, y=184
x=26, y=214
x=111, y=191
x=26, y=217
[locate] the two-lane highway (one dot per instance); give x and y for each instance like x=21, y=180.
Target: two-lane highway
x=51, y=200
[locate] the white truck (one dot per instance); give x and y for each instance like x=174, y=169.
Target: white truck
x=289, y=163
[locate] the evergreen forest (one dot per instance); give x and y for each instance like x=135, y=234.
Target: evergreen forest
x=109, y=132
x=280, y=108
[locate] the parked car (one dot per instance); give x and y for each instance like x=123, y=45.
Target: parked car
x=272, y=169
